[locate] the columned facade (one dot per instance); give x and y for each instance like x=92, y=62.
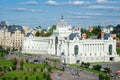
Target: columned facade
x=68, y=44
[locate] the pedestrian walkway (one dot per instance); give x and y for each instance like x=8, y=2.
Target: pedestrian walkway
x=68, y=76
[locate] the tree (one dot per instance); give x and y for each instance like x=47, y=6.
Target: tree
x=53, y=27
x=118, y=36
x=14, y=63
x=48, y=77
x=86, y=31
x=107, y=77
x=44, y=75
x=37, y=78
x=26, y=78
x=0, y=46
x=49, y=69
x=101, y=77
x=21, y=64
x=15, y=78
x=96, y=30
x=4, y=78
x=37, y=34
x=87, y=65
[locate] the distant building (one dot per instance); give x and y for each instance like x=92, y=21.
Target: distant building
x=90, y=29
x=11, y=36
x=71, y=46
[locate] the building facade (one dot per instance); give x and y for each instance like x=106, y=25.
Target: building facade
x=11, y=36
x=68, y=43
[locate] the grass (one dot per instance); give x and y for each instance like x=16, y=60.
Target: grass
x=54, y=60
x=95, y=71
x=38, y=66
x=20, y=74
x=99, y=63
x=4, y=62
x=89, y=69
x=32, y=65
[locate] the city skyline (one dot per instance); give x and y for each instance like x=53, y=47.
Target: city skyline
x=45, y=13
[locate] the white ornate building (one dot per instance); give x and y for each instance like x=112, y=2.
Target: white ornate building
x=71, y=47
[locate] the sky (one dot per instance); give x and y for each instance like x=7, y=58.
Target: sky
x=45, y=13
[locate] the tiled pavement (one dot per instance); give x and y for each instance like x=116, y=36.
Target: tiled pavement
x=68, y=76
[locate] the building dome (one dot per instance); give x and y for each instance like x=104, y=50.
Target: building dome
x=62, y=23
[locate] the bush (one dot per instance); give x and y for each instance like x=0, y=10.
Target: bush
x=85, y=65
x=102, y=77
x=37, y=78
x=97, y=67
x=15, y=78
x=26, y=78
x=4, y=78
x=107, y=77
x=48, y=77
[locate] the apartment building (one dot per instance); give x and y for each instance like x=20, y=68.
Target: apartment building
x=11, y=36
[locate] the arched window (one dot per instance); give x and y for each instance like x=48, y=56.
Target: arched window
x=56, y=40
x=76, y=50
x=110, y=49
x=62, y=54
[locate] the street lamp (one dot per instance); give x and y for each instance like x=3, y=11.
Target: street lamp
x=78, y=61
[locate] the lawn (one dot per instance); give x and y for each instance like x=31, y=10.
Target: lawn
x=4, y=62
x=22, y=75
x=32, y=65
x=89, y=69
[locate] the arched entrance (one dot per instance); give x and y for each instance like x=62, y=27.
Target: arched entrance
x=56, y=43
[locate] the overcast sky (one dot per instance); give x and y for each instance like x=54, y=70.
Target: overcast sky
x=48, y=12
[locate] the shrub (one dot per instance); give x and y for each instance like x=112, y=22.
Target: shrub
x=97, y=67
x=15, y=78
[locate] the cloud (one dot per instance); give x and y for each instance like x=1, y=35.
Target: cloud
x=83, y=17
x=30, y=3
x=51, y=2
x=76, y=3
x=103, y=7
x=87, y=14
x=101, y=1
x=35, y=10
x=19, y=9
x=79, y=3
x=27, y=10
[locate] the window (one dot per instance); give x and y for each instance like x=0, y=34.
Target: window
x=56, y=40
x=95, y=54
x=76, y=50
x=110, y=49
x=90, y=54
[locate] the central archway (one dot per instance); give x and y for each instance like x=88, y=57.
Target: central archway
x=76, y=50
x=56, y=42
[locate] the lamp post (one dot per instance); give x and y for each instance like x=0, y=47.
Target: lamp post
x=78, y=61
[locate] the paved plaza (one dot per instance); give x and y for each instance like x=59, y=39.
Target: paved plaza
x=74, y=75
